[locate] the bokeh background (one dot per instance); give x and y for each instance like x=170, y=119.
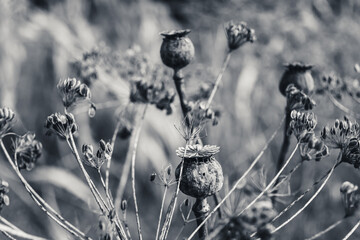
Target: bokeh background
x=39, y=39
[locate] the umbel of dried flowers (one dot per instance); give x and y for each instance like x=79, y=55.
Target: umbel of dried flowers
x=6, y=119
x=27, y=151
x=61, y=124
x=202, y=174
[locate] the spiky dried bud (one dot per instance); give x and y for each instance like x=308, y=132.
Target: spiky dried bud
x=152, y=177
x=202, y=174
x=73, y=91
x=123, y=205
x=4, y=198
x=298, y=100
x=177, y=50
x=299, y=75
x=27, y=151
x=238, y=34
x=301, y=123
x=350, y=197
x=6, y=120
x=61, y=124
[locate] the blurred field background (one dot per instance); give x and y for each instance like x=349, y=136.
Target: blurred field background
x=40, y=38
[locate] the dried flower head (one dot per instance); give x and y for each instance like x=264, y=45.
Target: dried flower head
x=298, y=100
x=351, y=152
x=103, y=154
x=4, y=198
x=199, y=114
x=60, y=124
x=338, y=135
x=301, y=123
x=73, y=91
x=332, y=84
x=6, y=120
x=350, y=197
x=202, y=174
x=299, y=75
x=238, y=34
x=312, y=147
x=177, y=50
x=27, y=151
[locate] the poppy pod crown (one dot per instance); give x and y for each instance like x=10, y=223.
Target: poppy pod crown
x=299, y=75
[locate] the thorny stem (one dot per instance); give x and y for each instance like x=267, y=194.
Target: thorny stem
x=172, y=206
x=308, y=202
x=342, y=107
x=8, y=231
x=218, y=79
x=161, y=211
x=99, y=200
x=303, y=194
x=240, y=179
x=133, y=158
x=332, y=226
x=41, y=202
x=352, y=231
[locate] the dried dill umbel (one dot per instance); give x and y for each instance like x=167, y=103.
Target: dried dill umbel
x=27, y=151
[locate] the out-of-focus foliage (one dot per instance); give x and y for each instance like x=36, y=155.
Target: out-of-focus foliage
x=39, y=40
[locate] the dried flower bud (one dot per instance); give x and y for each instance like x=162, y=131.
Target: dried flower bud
x=60, y=124
x=297, y=100
x=301, y=123
x=238, y=34
x=299, y=75
x=152, y=177
x=202, y=174
x=103, y=154
x=27, y=151
x=4, y=198
x=312, y=147
x=123, y=205
x=6, y=120
x=351, y=152
x=177, y=50
x=73, y=91
x=350, y=197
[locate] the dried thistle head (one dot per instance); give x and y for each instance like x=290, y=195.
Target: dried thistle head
x=350, y=197
x=61, y=124
x=7, y=119
x=72, y=91
x=299, y=75
x=102, y=155
x=4, y=198
x=338, y=135
x=27, y=151
x=301, y=123
x=238, y=34
x=298, y=100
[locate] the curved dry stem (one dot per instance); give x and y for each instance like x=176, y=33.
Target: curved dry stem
x=133, y=158
x=342, y=107
x=161, y=212
x=218, y=79
x=308, y=202
x=332, y=226
x=240, y=179
x=44, y=206
x=352, y=231
x=10, y=231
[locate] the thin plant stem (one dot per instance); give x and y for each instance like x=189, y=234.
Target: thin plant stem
x=6, y=222
x=172, y=206
x=8, y=235
x=308, y=202
x=161, y=212
x=44, y=206
x=21, y=234
x=218, y=79
x=126, y=224
x=352, y=231
x=291, y=172
x=332, y=226
x=286, y=142
x=342, y=107
x=133, y=159
x=240, y=179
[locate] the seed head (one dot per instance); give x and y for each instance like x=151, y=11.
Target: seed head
x=73, y=91
x=301, y=123
x=61, y=124
x=6, y=120
x=27, y=151
x=103, y=154
x=351, y=152
x=299, y=75
x=177, y=50
x=312, y=147
x=298, y=100
x=4, y=198
x=350, y=197
x=238, y=34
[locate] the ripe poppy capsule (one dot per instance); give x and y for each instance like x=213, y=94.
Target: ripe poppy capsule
x=298, y=74
x=177, y=50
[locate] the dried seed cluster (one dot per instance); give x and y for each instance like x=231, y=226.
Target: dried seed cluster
x=298, y=100
x=6, y=119
x=61, y=125
x=301, y=123
x=27, y=151
x=312, y=147
x=103, y=154
x=350, y=197
x=4, y=198
x=73, y=91
x=238, y=34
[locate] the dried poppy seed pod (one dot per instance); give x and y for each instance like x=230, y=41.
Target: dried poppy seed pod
x=177, y=50
x=202, y=174
x=298, y=74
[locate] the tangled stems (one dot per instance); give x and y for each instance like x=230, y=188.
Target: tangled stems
x=218, y=79
x=309, y=201
x=161, y=211
x=133, y=158
x=332, y=226
x=352, y=231
x=41, y=202
x=239, y=180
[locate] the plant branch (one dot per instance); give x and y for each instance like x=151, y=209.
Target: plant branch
x=332, y=226
x=352, y=231
x=161, y=212
x=10, y=231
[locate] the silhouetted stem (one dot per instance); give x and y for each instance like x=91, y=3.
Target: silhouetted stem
x=286, y=142
x=180, y=88
x=201, y=209
x=239, y=180
x=161, y=212
x=332, y=226
x=8, y=231
x=352, y=231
